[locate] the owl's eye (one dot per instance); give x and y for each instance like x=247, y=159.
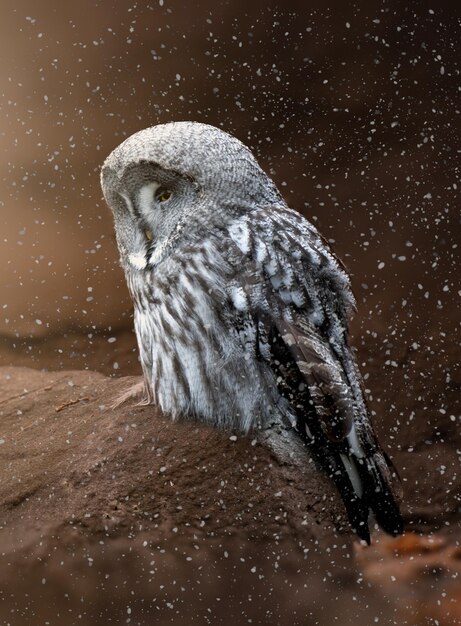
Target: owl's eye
x=163, y=194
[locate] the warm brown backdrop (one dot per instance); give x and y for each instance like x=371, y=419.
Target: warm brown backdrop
x=354, y=110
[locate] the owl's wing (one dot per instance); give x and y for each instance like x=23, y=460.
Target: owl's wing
x=298, y=297
x=320, y=370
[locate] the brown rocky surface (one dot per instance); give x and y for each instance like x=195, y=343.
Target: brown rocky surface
x=121, y=515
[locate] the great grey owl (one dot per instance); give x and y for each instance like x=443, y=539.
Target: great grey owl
x=241, y=309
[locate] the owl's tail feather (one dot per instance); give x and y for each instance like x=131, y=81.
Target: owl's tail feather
x=340, y=471
x=363, y=476
x=379, y=493
x=365, y=485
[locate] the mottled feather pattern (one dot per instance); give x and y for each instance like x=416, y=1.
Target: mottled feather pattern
x=241, y=308
x=191, y=358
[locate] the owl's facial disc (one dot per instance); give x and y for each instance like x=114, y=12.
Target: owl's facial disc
x=148, y=194
x=152, y=208
x=149, y=208
x=133, y=235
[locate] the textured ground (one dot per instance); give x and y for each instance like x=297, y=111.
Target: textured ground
x=120, y=515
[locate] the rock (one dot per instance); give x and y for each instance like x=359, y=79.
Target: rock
x=70, y=460
x=120, y=503
x=120, y=515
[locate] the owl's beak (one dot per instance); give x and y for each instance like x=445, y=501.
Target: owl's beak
x=149, y=235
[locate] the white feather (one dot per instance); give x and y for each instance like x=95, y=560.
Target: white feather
x=240, y=234
x=138, y=260
x=145, y=196
x=353, y=474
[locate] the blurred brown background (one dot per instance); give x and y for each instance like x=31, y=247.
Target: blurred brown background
x=354, y=110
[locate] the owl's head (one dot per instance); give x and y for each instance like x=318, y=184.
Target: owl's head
x=174, y=181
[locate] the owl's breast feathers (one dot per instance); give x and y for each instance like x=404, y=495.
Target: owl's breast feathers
x=192, y=359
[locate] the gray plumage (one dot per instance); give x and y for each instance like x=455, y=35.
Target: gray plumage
x=241, y=309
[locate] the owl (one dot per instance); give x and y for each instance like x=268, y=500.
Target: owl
x=240, y=307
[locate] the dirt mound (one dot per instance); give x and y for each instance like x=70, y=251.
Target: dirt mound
x=70, y=459
x=123, y=516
